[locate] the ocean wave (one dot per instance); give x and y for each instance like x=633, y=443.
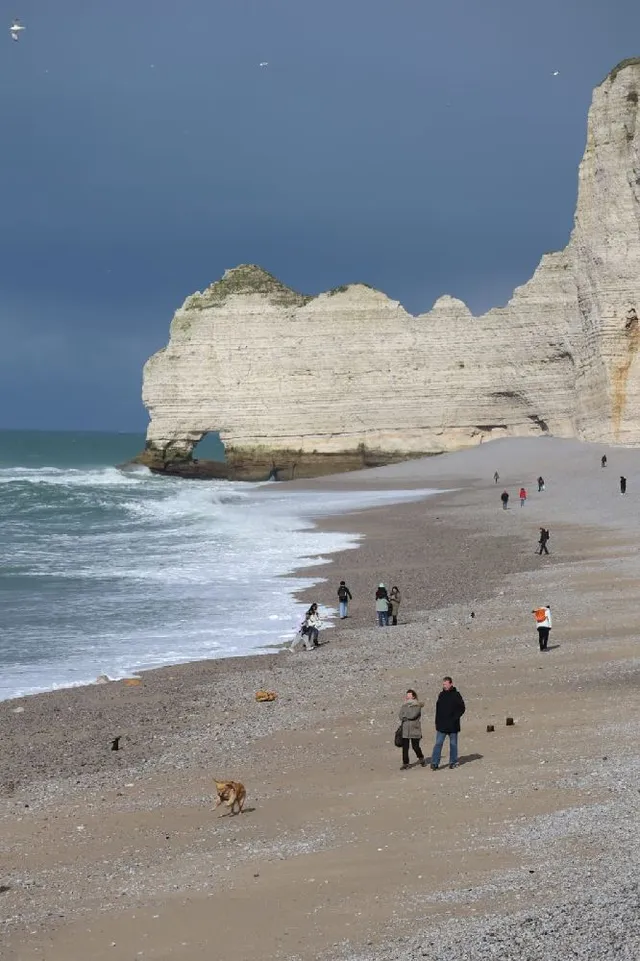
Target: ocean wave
x=63, y=477
x=107, y=572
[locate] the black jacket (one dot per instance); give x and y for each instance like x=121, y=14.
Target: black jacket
x=449, y=709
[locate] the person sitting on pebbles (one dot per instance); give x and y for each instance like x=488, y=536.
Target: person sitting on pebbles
x=312, y=625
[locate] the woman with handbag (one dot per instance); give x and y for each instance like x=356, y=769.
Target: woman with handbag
x=410, y=730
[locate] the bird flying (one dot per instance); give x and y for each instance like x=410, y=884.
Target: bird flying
x=265, y=63
x=16, y=29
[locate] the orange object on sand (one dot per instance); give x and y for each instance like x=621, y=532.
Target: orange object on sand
x=132, y=681
x=266, y=695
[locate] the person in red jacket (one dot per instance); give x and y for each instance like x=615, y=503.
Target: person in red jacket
x=523, y=496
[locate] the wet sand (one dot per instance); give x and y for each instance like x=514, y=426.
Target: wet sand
x=118, y=853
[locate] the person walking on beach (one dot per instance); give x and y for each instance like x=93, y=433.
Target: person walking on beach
x=623, y=485
x=603, y=460
x=540, y=484
x=394, y=604
x=542, y=540
x=344, y=596
x=504, y=497
x=450, y=707
x=410, y=714
x=543, y=623
x=523, y=496
x=382, y=606
x=496, y=477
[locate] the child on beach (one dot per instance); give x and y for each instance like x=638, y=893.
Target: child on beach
x=523, y=496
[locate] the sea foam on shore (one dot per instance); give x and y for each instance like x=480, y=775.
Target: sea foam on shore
x=106, y=572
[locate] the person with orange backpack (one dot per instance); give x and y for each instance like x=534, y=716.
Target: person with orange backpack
x=543, y=624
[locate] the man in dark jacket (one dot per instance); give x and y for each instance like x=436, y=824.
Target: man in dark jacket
x=449, y=709
x=543, y=540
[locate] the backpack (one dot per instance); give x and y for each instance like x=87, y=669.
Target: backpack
x=540, y=615
x=342, y=593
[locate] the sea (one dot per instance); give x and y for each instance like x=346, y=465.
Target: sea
x=112, y=571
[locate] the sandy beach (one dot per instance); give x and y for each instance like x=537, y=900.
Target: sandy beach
x=528, y=850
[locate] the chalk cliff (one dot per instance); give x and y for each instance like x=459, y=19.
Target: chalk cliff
x=312, y=385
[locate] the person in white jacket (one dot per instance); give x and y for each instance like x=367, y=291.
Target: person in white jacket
x=543, y=623
x=313, y=623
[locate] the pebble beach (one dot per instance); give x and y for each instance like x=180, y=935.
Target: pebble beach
x=528, y=850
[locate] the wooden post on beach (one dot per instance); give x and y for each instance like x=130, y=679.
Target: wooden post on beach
x=509, y=722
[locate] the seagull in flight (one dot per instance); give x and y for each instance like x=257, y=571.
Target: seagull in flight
x=265, y=63
x=16, y=29
x=556, y=73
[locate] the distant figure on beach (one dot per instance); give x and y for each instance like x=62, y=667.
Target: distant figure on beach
x=623, y=485
x=540, y=484
x=344, y=596
x=382, y=606
x=603, y=460
x=394, y=604
x=312, y=623
x=543, y=623
x=273, y=474
x=496, y=477
x=523, y=496
x=410, y=714
x=542, y=540
x=504, y=497
x=450, y=707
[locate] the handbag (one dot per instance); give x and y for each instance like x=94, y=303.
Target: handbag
x=397, y=740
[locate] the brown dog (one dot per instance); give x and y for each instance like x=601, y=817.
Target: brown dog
x=231, y=793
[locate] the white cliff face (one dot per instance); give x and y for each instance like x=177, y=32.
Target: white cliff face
x=274, y=371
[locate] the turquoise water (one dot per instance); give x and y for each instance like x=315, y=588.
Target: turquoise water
x=35, y=448
x=107, y=571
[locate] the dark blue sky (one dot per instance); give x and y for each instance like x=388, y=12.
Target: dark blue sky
x=423, y=147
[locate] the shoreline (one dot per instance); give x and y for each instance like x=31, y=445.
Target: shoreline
x=294, y=581
x=328, y=805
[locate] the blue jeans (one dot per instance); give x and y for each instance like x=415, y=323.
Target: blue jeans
x=343, y=608
x=453, y=747
x=383, y=618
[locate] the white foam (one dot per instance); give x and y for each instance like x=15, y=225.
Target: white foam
x=133, y=571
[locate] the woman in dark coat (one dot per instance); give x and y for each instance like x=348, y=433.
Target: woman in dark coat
x=410, y=714
x=394, y=604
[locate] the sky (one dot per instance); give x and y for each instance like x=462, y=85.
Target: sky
x=422, y=147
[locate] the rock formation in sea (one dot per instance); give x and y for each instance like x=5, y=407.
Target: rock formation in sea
x=348, y=378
